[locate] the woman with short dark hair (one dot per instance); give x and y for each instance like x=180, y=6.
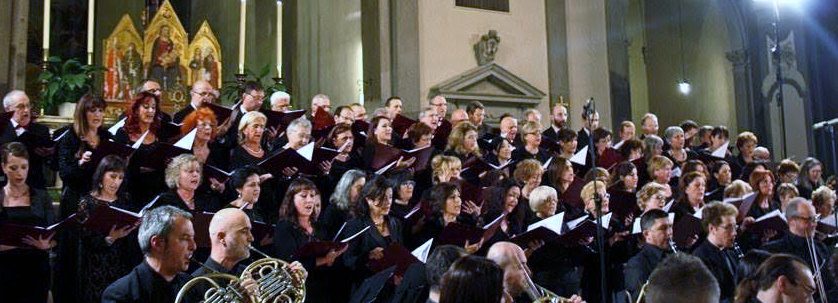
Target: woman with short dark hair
x=24, y=271
x=103, y=260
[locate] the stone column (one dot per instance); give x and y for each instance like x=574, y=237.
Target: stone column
x=745, y=109
x=16, y=70
x=587, y=57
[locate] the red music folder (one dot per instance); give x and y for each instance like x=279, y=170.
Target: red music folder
x=689, y=226
x=401, y=124
x=546, y=230
x=386, y=155
x=105, y=217
x=321, y=248
x=322, y=120
x=280, y=120
x=457, y=233
x=222, y=113
x=394, y=255
x=774, y=220
x=13, y=234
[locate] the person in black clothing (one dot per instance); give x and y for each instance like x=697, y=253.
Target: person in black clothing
x=143, y=182
x=251, y=100
x=657, y=235
x=106, y=256
x=681, y=278
x=202, y=92
x=802, y=220
x=781, y=278
x=76, y=170
x=298, y=226
x=373, y=210
x=583, y=136
x=341, y=207
x=183, y=176
x=22, y=128
x=166, y=238
x=531, y=139
x=559, y=121
x=719, y=221
x=24, y=271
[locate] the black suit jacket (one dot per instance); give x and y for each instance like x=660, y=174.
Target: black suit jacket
x=640, y=267
x=144, y=285
x=36, y=177
x=794, y=245
x=582, y=139
x=551, y=133
x=180, y=115
x=722, y=264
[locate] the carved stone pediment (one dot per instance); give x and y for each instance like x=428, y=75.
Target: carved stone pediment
x=489, y=83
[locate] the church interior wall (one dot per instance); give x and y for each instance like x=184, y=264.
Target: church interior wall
x=588, y=69
x=709, y=72
x=447, y=33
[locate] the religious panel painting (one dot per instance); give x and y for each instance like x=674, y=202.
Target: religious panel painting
x=122, y=61
x=165, y=45
x=204, y=57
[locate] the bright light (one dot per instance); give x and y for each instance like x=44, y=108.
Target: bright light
x=684, y=87
x=794, y=4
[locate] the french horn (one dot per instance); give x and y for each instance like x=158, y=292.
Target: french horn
x=275, y=283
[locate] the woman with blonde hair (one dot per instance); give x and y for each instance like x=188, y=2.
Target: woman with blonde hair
x=462, y=142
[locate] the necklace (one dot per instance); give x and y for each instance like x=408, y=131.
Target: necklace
x=257, y=151
x=20, y=195
x=379, y=225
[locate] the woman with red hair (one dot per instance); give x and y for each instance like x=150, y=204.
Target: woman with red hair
x=762, y=181
x=205, y=148
x=142, y=122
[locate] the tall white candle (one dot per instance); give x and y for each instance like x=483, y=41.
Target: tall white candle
x=91, y=8
x=46, y=27
x=242, y=34
x=279, y=38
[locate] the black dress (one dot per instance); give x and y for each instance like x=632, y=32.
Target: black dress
x=25, y=272
x=101, y=263
x=356, y=257
x=321, y=285
x=143, y=184
x=76, y=179
x=203, y=203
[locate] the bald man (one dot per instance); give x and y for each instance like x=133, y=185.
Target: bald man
x=202, y=92
x=512, y=259
x=458, y=115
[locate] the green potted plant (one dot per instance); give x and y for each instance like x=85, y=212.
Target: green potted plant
x=65, y=81
x=230, y=93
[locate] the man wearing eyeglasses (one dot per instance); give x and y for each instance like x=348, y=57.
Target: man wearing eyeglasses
x=201, y=93
x=802, y=219
x=657, y=234
x=719, y=221
x=21, y=127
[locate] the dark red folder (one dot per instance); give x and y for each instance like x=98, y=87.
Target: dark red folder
x=457, y=233
x=321, y=248
x=401, y=124
x=394, y=255
x=13, y=234
x=279, y=120
x=105, y=217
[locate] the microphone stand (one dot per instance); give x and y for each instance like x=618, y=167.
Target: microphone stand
x=600, y=233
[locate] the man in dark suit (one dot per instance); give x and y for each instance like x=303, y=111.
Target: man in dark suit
x=802, y=219
x=34, y=135
x=167, y=240
x=584, y=135
x=559, y=114
x=476, y=115
x=657, y=234
x=719, y=220
x=202, y=92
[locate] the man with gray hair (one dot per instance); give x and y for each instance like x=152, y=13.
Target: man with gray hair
x=201, y=93
x=803, y=219
x=320, y=101
x=166, y=238
x=21, y=122
x=280, y=101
